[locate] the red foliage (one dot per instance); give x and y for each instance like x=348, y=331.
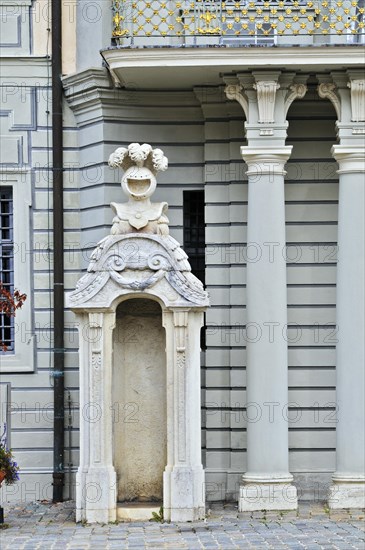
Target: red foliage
x=9, y=303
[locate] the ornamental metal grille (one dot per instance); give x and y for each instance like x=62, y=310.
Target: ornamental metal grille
x=251, y=23
x=6, y=262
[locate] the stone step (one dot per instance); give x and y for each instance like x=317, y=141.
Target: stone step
x=137, y=511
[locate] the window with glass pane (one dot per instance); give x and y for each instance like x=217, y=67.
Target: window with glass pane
x=6, y=263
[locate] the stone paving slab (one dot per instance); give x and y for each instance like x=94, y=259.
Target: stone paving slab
x=47, y=526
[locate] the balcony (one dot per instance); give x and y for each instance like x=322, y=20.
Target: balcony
x=179, y=44
x=149, y=23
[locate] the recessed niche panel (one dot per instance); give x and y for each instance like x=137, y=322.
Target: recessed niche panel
x=139, y=400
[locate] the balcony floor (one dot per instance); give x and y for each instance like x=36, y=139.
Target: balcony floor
x=184, y=68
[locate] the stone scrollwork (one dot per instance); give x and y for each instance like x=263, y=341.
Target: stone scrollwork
x=235, y=92
x=137, y=262
x=297, y=91
x=327, y=90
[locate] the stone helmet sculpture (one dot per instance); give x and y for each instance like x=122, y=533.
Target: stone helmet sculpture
x=141, y=164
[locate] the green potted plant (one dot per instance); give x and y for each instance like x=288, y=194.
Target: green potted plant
x=8, y=467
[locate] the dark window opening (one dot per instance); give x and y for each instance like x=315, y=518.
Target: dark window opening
x=194, y=232
x=194, y=236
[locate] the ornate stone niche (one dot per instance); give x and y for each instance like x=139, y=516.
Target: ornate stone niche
x=140, y=311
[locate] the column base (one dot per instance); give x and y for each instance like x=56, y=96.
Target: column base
x=347, y=492
x=184, y=494
x=185, y=514
x=274, y=494
x=100, y=502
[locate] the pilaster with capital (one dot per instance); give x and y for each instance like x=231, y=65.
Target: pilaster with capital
x=184, y=488
x=346, y=91
x=266, y=98
x=101, y=477
x=84, y=426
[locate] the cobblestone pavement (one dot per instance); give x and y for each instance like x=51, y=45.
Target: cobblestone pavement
x=51, y=526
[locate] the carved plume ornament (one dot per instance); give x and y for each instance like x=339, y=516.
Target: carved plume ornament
x=139, y=155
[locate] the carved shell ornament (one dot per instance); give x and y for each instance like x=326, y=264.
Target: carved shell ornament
x=141, y=164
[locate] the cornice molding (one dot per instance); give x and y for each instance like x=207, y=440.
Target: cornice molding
x=27, y=69
x=249, y=57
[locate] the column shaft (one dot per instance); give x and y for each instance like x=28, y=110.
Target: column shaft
x=267, y=482
x=348, y=489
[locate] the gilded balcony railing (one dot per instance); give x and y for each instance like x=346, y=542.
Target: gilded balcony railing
x=216, y=22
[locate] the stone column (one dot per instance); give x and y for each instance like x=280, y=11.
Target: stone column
x=100, y=488
x=346, y=91
x=348, y=489
x=265, y=97
x=267, y=482
x=184, y=488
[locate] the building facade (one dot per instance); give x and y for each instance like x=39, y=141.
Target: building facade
x=260, y=109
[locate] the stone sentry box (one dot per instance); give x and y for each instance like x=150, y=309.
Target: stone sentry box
x=139, y=311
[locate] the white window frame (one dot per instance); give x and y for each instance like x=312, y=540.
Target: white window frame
x=5, y=415
x=22, y=359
